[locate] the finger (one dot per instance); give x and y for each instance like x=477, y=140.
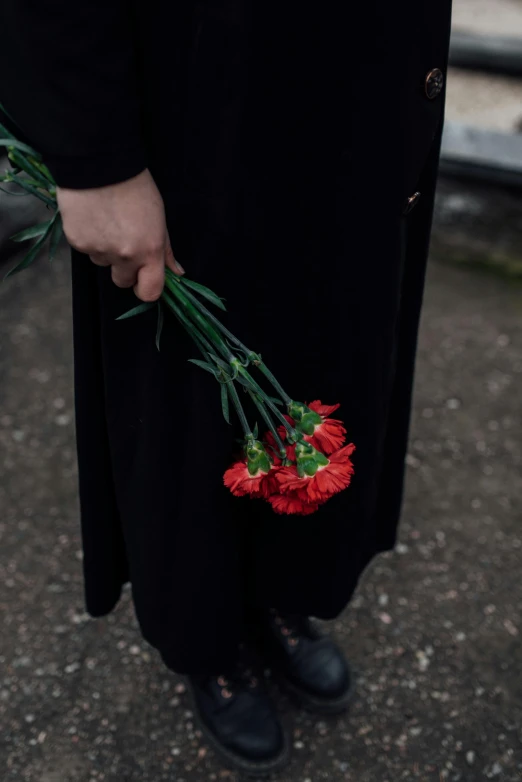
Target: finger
x=124, y=277
x=171, y=261
x=150, y=282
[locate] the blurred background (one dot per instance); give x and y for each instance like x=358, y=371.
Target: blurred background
x=435, y=629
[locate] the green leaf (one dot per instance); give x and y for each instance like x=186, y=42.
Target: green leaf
x=32, y=232
x=203, y=365
x=275, y=400
x=220, y=362
x=224, y=403
x=241, y=354
x=10, y=192
x=4, y=111
x=169, y=275
x=31, y=255
x=256, y=431
x=48, y=199
x=244, y=382
x=159, y=327
x=205, y=292
x=20, y=161
x=56, y=235
x=43, y=170
x=13, y=142
x=3, y=130
x=143, y=307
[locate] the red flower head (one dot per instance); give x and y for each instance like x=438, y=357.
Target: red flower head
x=316, y=478
x=249, y=476
x=290, y=503
x=324, y=433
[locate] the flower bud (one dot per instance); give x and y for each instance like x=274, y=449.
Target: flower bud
x=305, y=420
x=257, y=457
x=308, y=459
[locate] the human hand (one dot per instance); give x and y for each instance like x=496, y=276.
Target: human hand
x=122, y=226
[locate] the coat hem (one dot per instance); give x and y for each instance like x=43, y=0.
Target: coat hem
x=99, y=609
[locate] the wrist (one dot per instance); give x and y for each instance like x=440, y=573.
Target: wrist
x=82, y=173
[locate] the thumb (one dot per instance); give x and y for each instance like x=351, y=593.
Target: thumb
x=170, y=260
x=149, y=285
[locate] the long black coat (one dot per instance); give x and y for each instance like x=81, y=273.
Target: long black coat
x=289, y=143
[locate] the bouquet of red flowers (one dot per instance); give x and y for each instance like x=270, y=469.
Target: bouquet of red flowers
x=302, y=459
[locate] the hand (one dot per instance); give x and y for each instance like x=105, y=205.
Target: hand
x=122, y=226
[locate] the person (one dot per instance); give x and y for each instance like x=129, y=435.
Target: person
x=285, y=156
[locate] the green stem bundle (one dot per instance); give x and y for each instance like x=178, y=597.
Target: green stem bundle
x=223, y=353
x=200, y=321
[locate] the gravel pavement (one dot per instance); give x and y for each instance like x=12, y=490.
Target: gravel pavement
x=435, y=629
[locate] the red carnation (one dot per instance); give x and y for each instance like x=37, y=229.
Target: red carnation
x=269, y=484
x=330, y=435
x=250, y=475
x=240, y=482
x=314, y=423
x=327, y=480
x=290, y=503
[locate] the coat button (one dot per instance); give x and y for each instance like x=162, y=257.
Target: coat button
x=434, y=83
x=411, y=203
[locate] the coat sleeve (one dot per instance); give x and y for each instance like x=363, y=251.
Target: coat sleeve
x=68, y=79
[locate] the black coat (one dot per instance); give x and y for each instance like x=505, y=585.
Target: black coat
x=289, y=143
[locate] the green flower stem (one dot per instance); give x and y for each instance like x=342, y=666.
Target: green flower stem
x=199, y=338
x=252, y=384
x=9, y=178
x=207, y=328
x=271, y=379
x=30, y=189
x=232, y=392
x=42, y=168
x=205, y=347
x=217, y=323
x=10, y=192
x=251, y=355
x=20, y=160
x=268, y=421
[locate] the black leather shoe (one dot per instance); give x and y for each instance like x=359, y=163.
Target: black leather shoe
x=307, y=664
x=239, y=720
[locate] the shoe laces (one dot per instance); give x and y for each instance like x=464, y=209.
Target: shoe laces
x=292, y=627
x=245, y=675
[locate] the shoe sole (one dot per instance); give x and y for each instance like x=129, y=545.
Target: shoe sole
x=306, y=701
x=249, y=768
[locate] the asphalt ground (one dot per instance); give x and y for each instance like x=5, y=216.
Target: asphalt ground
x=434, y=631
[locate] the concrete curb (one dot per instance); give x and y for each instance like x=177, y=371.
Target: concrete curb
x=489, y=156
x=499, y=54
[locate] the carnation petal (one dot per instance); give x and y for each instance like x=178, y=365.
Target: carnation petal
x=291, y=504
x=326, y=482
x=241, y=483
x=323, y=410
x=328, y=436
